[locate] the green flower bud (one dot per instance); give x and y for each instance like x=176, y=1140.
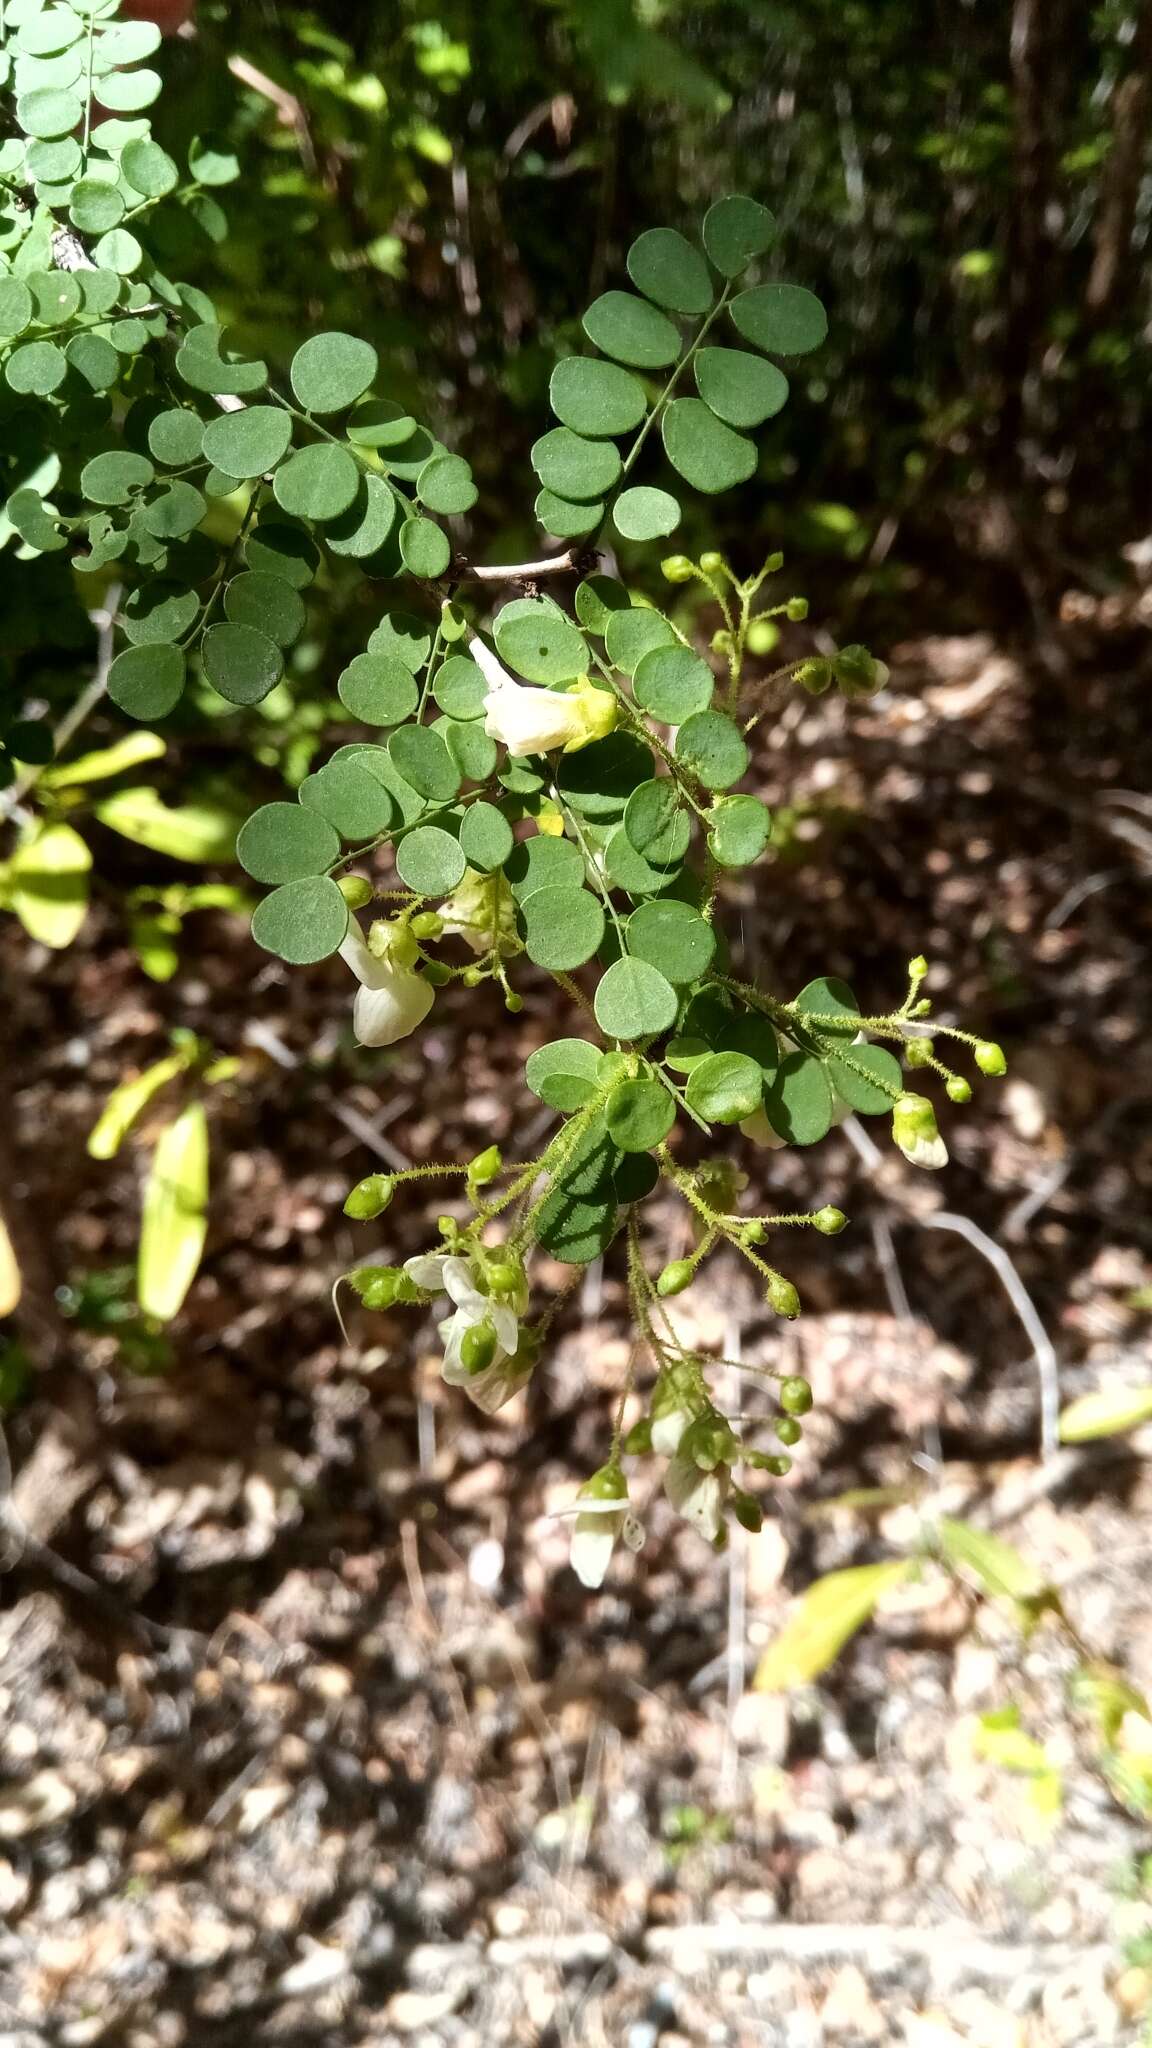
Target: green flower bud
x=478, y=1347
x=829, y=1221
x=859, y=673
x=788, y=1429
x=721, y=642
x=676, y=1277
x=472, y=977
x=753, y=1232
x=370, y=1197
x=782, y=1296
x=512, y=1002
x=815, y=676
x=678, y=569
x=427, y=924
x=917, y=968
x=778, y=1467
x=485, y=1166
x=795, y=1396
x=958, y=1089
x=436, y=973
x=639, y=1438
x=747, y=1510
x=762, y=636
x=504, y=1278
x=990, y=1058
x=712, y=562
x=796, y=609
x=923, y=1008
x=919, y=1052
x=709, y=1442
x=447, y=1227
x=356, y=890
x=774, y=564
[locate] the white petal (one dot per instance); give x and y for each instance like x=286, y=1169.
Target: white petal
x=593, y=1541
x=391, y=1006
x=530, y=721
x=427, y=1270
x=462, y=1287
x=505, y=1324
x=492, y=670
x=758, y=1128
x=667, y=1430
x=697, y=1495
x=930, y=1153
x=354, y=952
x=453, y=1330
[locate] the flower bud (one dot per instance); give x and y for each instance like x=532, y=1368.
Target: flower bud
x=990, y=1058
x=829, y=1221
x=478, y=1347
x=370, y=1197
x=796, y=609
x=721, y=642
x=788, y=1429
x=795, y=1396
x=711, y=562
x=915, y=1131
x=427, y=924
x=504, y=1277
x=747, y=1510
x=774, y=564
x=782, y=1296
x=815, y=676
x=778, y=1467
x=356, y=890
x=923, y=1008
x=513, y=1003
x=678, y=569
x=437, y=973
x=762, y=636
x=485, y=1166
x=958, y=1089
x=753, y=1232
x=919, y=1052
x=676, y=1277
x=917, y=968
x=858, y=673
x=472, y=977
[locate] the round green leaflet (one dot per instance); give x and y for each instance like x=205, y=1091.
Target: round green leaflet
x=378, y=423
x=405, y=637
x=873, y=1091
x=596, y=600
x=33, y=522
x=111, y=479
x=725, y=1087
x=41, y=34
x=446, y=485
x=350, y=798
x=712, y=748
x=639, y=1114
x=331, y=371
x=541, y=863
x=268, y=603
x=15, y=307
x=145, y=682
x=56, y=296
x=632, y=331
x=563, y=1074
x=577, y=1228
x=425, y=547
x=423, y=760
x=572, y=467
x=99, y=290
x=95, y=206
x=739, y=830
x=281, y=842
x=563, y=927
x=36, y=368
x=705, y=452
x=673, y=682
x=595, y=398
x=673, y=937
x=799, y=1101
x=201, y=363
x=460, y=688
x=485, y=837
x=666, y=268
x=240, y=662
x=55, y=162
x=830, y=997
x=408, y=804
x=318, y=482
x=469, y=745
x=118, y=250
x=634, y=1000
x=630, y=635
x=644, y=513
x=635, y=1177
x=408, y=458
x=176, y=510
x=539, y=643
x=148, y=168
x=250, y=442
x=49, y=112
x=628, y=870
x=782, y=319
x=753, y=1036
x=598, y=780
x=159, y=612
x=742, y=389
x=128, y=92
x=564, y=517
x=95, y=360
x=303, y=921
x=430, y=861
x=736, y=231
x=278, y=550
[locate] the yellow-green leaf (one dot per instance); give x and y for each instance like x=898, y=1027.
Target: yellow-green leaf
x=1105, y=1413
x=127, y=1101
x=129, y=752
x=189, y=832
x=1000, y=1569
x=829, y=1613
x=174, y=1225
x=48, y=883
x=10, y=1287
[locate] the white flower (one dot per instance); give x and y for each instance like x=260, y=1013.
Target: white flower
x=601, y=1516
x=482, y=911
x=392, y=998
x=502, y=1375
x=529, y=720
x=670, y=1413
x=698, y=1496
x=914, y=1130
x=758, y=1128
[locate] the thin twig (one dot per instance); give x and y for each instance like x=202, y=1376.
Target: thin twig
x=105, y=621
x=567, y=564
x=1043, y=1352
